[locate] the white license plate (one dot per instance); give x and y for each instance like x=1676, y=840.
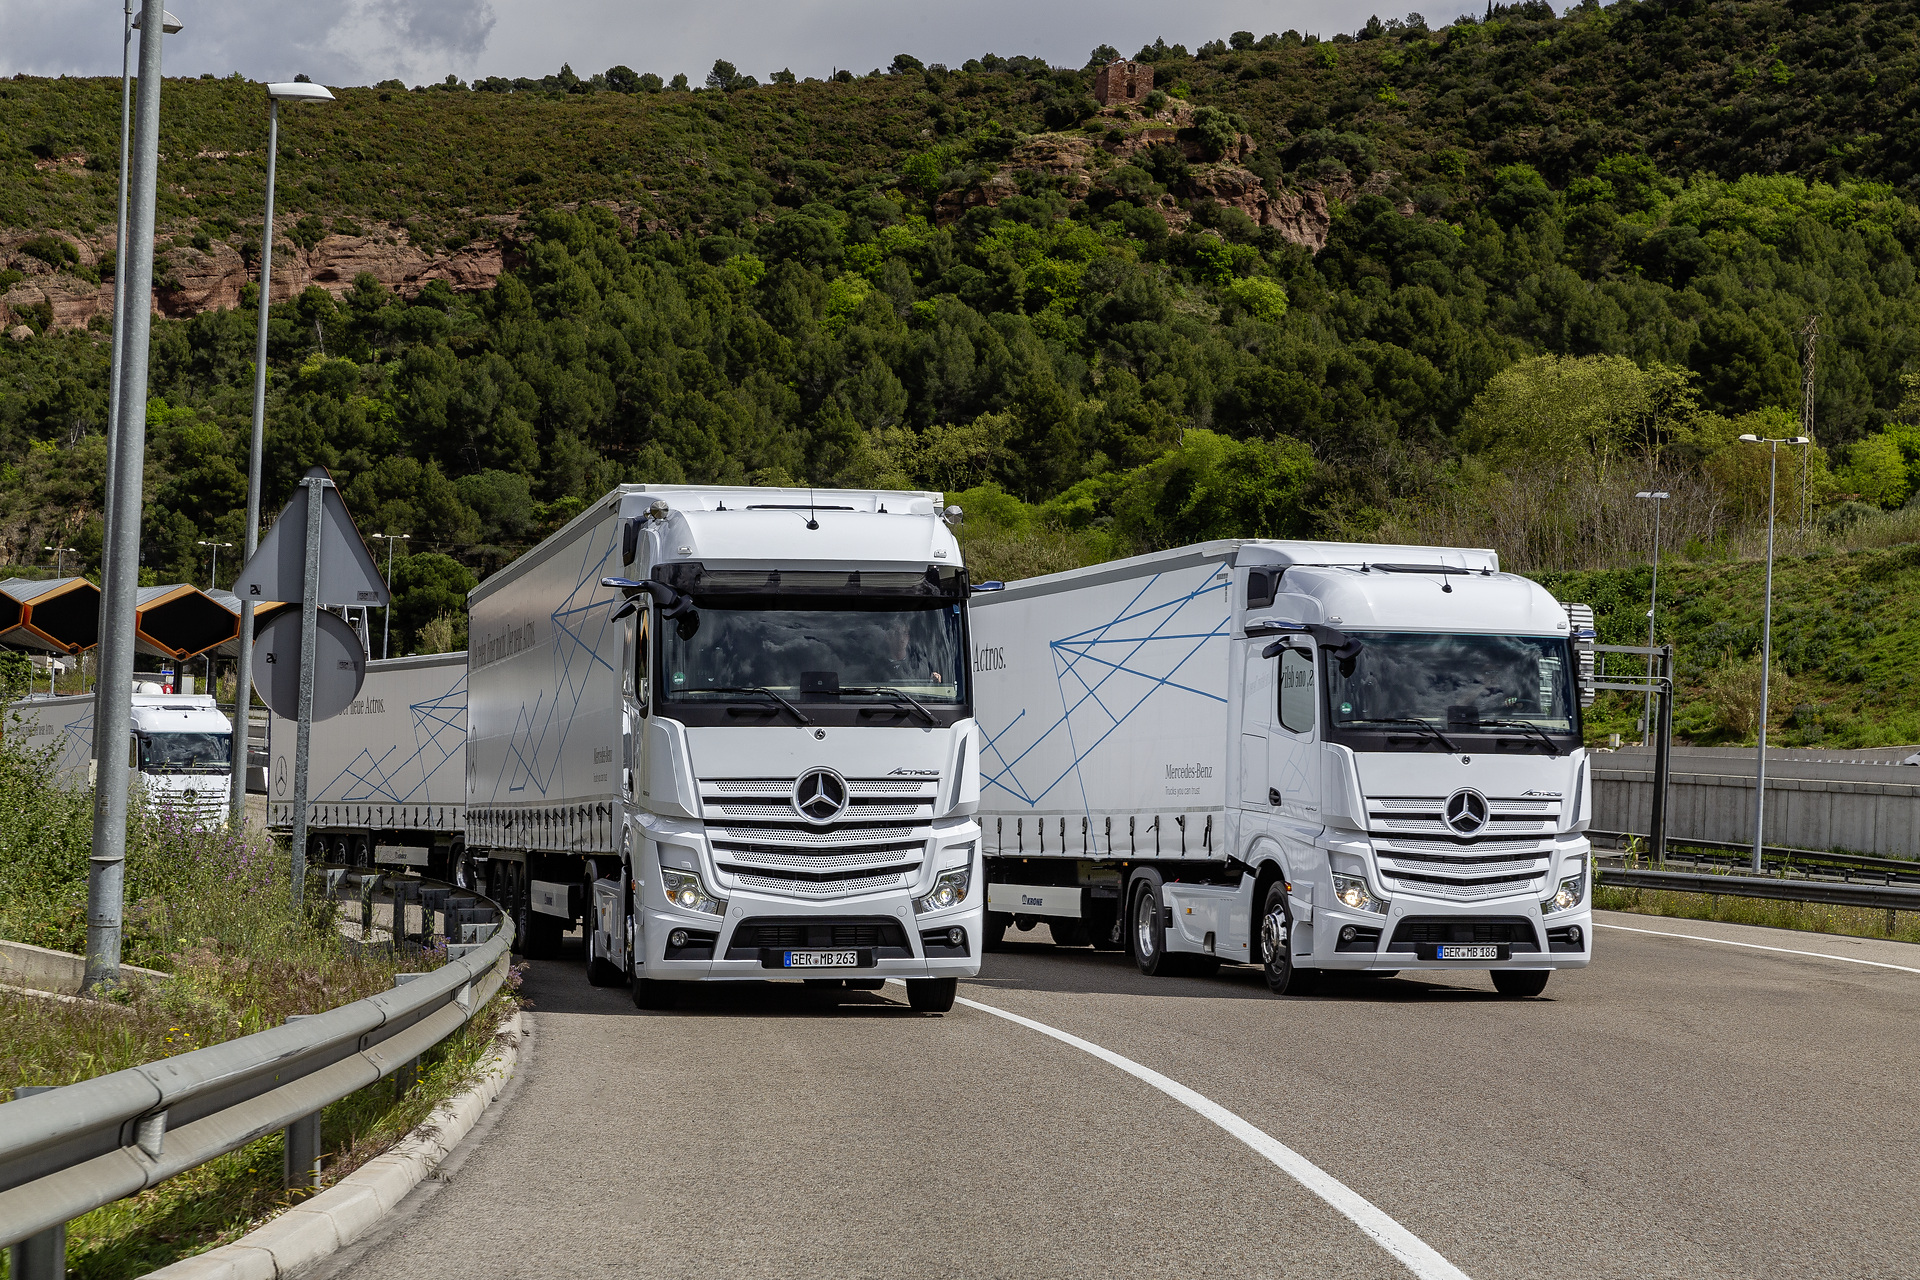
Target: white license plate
x=823, y=959
x=1468, y=953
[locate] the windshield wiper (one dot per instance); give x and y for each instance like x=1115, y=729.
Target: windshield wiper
x=1552, y=748
x=796, y=712
x=1412, y=723
x=898, y=695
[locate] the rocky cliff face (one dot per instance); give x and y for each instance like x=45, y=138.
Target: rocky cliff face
x=189, y=279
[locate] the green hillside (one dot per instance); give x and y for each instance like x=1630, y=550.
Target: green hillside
x=1564, y=259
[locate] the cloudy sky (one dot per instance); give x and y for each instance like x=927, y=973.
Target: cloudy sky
x=360, y=41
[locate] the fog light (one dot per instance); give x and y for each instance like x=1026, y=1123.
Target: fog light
x=678, y=938
x=1348, y=933
x=1573, y=934
x=955, y=936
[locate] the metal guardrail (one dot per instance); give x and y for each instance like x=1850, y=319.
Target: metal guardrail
x=1803, y=858
x=70, y=1150
x=1826, y=892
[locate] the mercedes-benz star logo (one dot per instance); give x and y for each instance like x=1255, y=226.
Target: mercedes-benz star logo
x=1466, y=813
x=820, y=795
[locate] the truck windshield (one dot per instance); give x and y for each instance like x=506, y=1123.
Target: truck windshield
x=165, y=752
x=816, y=654
x=1457, y=684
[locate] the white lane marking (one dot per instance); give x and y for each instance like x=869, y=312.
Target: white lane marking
x=1755, y=946
x=1416, y=1254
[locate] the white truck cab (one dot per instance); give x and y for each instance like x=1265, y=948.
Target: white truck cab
x=179, y=745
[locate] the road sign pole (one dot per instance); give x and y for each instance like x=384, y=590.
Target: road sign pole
x=316, y=487
x=113, y=697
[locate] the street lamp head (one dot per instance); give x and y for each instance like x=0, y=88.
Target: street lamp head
x=1751, y=439
x=168, y=23
x=298, y=91
x=1657, y=494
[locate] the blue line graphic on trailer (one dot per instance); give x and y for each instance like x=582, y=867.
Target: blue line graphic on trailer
x=439, y=736
x=1105, y=674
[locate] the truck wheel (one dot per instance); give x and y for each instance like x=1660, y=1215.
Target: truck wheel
x=651, y=993
x=461, y=873
x=993, y=930
x=1147, y=930
x=1068, y=933
x=602, y=972
x=1520, y=984
x=932, y=995
x=362, y=851
x=1276, y=947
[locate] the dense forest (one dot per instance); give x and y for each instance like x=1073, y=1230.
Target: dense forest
x=1561, y=259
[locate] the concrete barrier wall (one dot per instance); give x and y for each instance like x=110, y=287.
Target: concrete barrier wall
x=1811, y=804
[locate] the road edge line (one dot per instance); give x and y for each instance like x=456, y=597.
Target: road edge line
x=1757, y=946
x=1412, y=1252
x=317, y=1227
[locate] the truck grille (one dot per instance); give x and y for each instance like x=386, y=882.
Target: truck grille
x=1419, y=854
x=761, y=841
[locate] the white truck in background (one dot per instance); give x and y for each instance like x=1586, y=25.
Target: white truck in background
x=730, y=730
x=386, y=778
x=179, y=745
x=1309, y=756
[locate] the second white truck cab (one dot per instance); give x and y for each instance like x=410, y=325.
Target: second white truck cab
x=1310, y=756
x=179, y=746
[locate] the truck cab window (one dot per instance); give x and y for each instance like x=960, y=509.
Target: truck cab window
x=1297, y=691
x=640, y=682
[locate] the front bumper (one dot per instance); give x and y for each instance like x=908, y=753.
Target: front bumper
x=882, y=929
x=1531, y=940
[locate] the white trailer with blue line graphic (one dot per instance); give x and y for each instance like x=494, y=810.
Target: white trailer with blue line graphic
x=1309, y=756
x=387, y=776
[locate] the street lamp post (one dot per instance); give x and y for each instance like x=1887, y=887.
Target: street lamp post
x=213, y=567
x=386, y=627
x=59, y=558
x=290, y=91
x=1646, y=716
x=1766, y=645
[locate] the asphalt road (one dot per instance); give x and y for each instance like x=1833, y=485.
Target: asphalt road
x=1681, y=1108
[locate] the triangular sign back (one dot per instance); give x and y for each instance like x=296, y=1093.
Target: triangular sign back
x=348, y=575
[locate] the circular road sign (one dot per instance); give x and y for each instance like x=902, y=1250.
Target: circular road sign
x=339, y=665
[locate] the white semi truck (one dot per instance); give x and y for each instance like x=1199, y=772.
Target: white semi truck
x=1310, y=756
x=386, y=778
x=730, y=730
x=179, y=745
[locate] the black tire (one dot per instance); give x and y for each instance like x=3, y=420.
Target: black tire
x=602, y=972
x=651, y=993
x=1275, y=938
x=460, y=874
x=1068, y=933
x=932, y=995
x=316, y=850
x=993, y=931
x=1147, y=929
x=362, y=851
x=1520, y=984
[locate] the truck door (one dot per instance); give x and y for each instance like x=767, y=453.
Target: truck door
x=1256, y=710
x=1291, y=757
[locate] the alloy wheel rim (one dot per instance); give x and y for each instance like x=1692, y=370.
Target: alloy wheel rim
x=1273, y=938
x=1143, y=917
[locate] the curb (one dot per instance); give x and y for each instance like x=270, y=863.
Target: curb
x=353, y=1206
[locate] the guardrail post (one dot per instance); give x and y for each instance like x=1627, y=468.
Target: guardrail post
x=407, y=1074
x=300, y=1164
x=43, y=1256
x=1662, y=758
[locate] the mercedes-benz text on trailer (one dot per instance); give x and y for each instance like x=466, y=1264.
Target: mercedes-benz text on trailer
x=1304, y=755
x=731, y=730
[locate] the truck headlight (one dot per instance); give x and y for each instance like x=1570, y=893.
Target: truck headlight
x=1353, y=892
x=685, y=891
x=950, y=890
x=1571, y=893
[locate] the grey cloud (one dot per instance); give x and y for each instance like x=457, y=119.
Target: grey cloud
x=359, y=41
